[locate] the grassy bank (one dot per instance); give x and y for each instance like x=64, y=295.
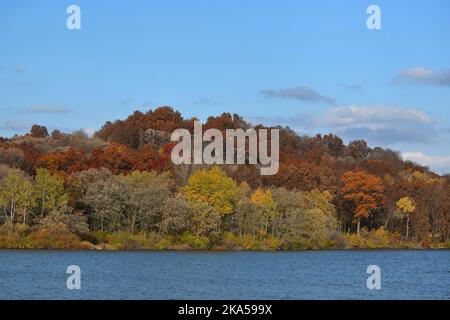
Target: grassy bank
x=59, y=237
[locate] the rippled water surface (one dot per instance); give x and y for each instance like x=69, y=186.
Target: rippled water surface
x=422, y=274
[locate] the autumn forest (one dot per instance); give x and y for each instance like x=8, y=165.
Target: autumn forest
x=120, y=190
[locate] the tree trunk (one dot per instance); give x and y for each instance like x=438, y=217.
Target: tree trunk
x=12, y=211
x=25, y=215
x=386, y=223
x=407, y=228
x=358, y=228
x=42, y=208
x=132, y=224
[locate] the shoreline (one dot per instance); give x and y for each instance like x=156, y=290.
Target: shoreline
x=218, y=250
x=60, y=238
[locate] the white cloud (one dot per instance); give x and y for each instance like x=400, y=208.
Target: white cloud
x=381, y=124
x=89, y=131
x=375, y=117
x=423, y=75
x=440, y=164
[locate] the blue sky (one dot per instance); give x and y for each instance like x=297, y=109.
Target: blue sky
x=312, y=65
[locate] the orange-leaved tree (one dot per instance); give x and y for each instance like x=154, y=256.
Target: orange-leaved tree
x=364, y=190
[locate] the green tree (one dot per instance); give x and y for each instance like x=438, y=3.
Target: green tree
x=49, y=191
x=246, y=218
x=145, y=193
x=318, y=215
x=205, y=219
x=265, y=207
x=181, y=215
x=107, y=203
x=74, y=221
x=308, y=216
x=38, y=131
x=287, y=203
x=16, y=195
x=176, y=217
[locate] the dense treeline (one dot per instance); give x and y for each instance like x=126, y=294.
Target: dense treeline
x=119, y=189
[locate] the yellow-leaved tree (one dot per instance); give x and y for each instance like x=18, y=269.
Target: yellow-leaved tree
x=214, y=187
x=265, y=206
x=406, y=206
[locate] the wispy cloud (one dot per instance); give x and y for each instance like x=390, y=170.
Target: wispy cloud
x=15, y=125
x=147, y=104
x=355, y=87
x=300, y=122
x=6, y=109
x=17, y=68
x=125, y=101
x=440, y=164
x=46, y=109
x=421, y=75
x=300, y=93
x=131, y=102
x=207, y=102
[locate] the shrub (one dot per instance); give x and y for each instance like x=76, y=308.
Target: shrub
x=376, y=239
x=195, y=242
x=271, y=243
x=338, y=240
x=300, y=244
x=128, y=241
x=164, y=243
x=229, y=241
x=55, y=236
x=13, y=236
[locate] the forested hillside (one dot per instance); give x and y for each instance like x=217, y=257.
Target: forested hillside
x=120, y=190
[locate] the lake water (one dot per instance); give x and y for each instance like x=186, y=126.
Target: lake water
x=225, y=275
